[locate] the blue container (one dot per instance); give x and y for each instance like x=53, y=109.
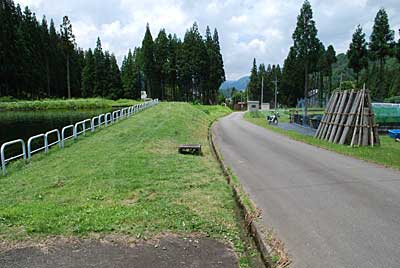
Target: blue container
x=395, y=133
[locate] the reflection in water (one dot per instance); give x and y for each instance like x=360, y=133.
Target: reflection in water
x=25, y=124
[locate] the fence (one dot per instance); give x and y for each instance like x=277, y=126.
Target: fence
x=78, y=129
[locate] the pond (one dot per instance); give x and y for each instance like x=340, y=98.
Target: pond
x=25, y=124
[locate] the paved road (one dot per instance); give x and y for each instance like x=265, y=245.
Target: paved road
x=330, y=210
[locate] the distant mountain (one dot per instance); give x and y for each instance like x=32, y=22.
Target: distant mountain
x=240, y=84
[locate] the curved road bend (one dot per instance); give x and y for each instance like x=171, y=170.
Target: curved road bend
x=330, y=210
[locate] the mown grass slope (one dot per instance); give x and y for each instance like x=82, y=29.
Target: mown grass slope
x=126, y=179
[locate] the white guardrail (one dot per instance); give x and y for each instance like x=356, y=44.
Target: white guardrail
x=78, y=129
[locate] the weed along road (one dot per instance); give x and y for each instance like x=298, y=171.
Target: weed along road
x=330, y=210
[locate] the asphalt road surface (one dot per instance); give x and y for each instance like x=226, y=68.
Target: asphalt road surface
x=329, y=210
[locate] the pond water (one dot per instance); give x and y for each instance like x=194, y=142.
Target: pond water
x=25, y=124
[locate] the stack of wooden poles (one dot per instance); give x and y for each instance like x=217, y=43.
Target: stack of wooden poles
x=349, y=119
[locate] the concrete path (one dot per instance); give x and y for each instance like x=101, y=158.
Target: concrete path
x=330, y=210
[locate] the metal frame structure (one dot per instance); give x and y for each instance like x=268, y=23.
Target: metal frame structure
x=63, y=138
x=93, y=125
x=46, y=139
x=103, y=119
x=4, y=161
x=108, y=119
x=30, y=151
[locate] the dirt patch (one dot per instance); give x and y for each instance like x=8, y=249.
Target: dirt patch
x=166, y=252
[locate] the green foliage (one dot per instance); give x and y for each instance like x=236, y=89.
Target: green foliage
x=131, y=75
x=347, y=85
x=45, y=104
x=376, y=67
x=394, y=99
x=165, y=68
x=38, y=62
x=358, y=53
x=292, y=82
x=149, y=67
x=382, y=42
x=252, y=87
x=306, y=42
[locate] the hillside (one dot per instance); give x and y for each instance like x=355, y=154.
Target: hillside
x=240, y=84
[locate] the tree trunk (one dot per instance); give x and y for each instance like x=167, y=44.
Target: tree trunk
x=48, y=77
x=68, y=78
x=381, y=78
x=305, y=89
x=357, y=74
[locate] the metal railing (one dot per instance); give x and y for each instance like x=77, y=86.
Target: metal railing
x=30, y=151
x=78, y=129
x=46, y=139
x=4, y=161
x=108, y=119
x=63, y=138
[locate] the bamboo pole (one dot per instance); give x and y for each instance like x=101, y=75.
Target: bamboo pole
x=338, y=115
x=318, y=133
x=333, y=117
x=374, y=129
x=356, y=126
x=329, y=118
x=350, y=119
x=343, y=120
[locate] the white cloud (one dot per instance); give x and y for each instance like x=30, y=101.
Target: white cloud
x=247, y=28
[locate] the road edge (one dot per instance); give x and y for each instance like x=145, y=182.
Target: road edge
x=255, y=228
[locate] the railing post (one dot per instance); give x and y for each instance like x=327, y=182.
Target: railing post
x=3, y=157
x=46, y=139
x=30, y=143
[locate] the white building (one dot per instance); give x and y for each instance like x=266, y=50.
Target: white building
x=265, y=106
x=253, y=106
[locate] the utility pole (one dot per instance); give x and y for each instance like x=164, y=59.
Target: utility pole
x=276, y=93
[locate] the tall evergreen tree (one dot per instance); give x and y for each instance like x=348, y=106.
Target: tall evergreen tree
x=292, y=80
x=398, y=49
x=68, y=44
x=172, y=68
x=217, y=73
x=149, y=68
x=45, y=43
x=358, y=53
x=127, y=75
x=306, y=43
x=330, y=56
x=262, y=82
x=252, y=87
x=101, y=72
x=88, y=75
x=382, y=41
x=161, y=58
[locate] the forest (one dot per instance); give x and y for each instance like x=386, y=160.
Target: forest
x=38, y=61
x=310, y=65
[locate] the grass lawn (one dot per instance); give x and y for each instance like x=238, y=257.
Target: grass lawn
x=127, y=179
x=388, y=154
x=64, y=104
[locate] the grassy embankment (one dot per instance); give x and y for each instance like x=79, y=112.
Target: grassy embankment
x=125, y=180
x=388, y=154
x=64, y=104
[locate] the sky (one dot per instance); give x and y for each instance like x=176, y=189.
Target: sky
x=248, y=29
